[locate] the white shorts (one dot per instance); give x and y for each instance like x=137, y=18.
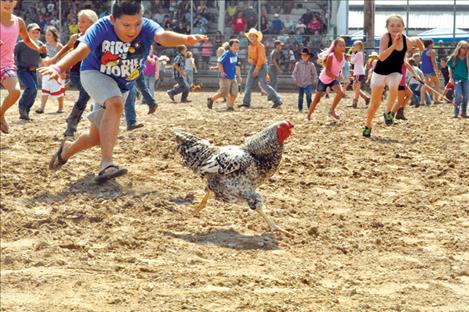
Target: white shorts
x=52, y=87
x=392, y=80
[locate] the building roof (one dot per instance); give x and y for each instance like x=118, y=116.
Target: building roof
x=417, y=20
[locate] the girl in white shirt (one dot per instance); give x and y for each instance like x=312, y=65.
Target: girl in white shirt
x=358, y=60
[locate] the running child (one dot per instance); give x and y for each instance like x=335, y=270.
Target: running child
x=357, y=58
x=86, y=18
x=430, y=69
x=333, y=59
x=113, y=52
x=11, y=26
x=404, y=94
x=388, y=70
x=180, y=76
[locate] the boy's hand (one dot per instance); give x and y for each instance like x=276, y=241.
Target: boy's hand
x=42, y=49
x=53, y=73
x=193, y=39
x=222, y=74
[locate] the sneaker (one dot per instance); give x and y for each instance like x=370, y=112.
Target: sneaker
x=388, y=119
x=277, y=105
x=334, y=114
x=186, y=101
x=366, y=132
x=152, y=108
x=464, y=116
x=24, y=115
x=209, y=103
x=171, y=96
x=39, y=111
x=244, y=105
x=354, y=103
x=230, y=109
x=134, y=126
x=367, y=101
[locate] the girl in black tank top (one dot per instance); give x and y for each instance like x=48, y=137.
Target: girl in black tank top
x=394, y=62
x=388, y=69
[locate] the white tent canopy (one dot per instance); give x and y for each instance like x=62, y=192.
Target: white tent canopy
x=443, y=32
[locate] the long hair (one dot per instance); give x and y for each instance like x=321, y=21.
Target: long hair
x=454, y=57
x=325, y=53
x=54, y=32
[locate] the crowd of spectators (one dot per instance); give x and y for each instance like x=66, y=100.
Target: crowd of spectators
x=176, y=15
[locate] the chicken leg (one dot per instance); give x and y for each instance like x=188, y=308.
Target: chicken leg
x=202, y=204
x=273, y=227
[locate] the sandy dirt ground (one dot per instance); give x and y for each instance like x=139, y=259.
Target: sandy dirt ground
x=379, y=224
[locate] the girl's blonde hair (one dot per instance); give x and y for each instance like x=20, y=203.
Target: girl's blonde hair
x=89, y=14
x=454, y=57
x=325, y=53
x=359, y=42
x=188, y=54
x=395, y=17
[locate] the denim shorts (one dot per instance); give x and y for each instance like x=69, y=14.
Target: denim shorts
x=322, y=86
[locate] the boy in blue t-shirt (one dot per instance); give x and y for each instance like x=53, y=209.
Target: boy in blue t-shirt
x=113, y=51
x=228, y=70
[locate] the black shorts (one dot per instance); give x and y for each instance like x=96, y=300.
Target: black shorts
x=401, y=88
x=359, y=78
x=322, y=86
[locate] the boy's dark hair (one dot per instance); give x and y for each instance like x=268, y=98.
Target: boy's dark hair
x=126, y=7
x=427, y=42
x=181, y=48
x=233, y=41
x=412, y=62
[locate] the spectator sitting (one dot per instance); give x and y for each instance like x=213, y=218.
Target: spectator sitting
x=206, y=51
x=231, y=10
x=314, y=25
x=202, y=8
x=277, y=24
x=239, y=23
x=166, y=22
x=251, y=16
x=288, y=25
x=300, y=27
x=202, y=20
x=264, y=24
x=198, y=29
x=219, y=39
x=307, y=17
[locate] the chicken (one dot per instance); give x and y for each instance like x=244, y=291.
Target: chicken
x=234, y=172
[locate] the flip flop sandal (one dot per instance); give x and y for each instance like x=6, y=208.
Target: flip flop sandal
x=57, y=161
x=103, y=176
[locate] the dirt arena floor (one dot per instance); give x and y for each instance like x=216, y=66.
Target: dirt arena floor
x=379, y=224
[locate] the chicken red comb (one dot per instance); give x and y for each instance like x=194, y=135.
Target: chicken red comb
x=290, y=123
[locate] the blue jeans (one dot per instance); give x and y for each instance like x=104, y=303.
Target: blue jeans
x=83, y=96
x=189, y=78
x=142, y=87
x=273, y=77
x=129, y=107
x=461, y=96
x=29, y=80
x=308, y=90
x=250, y=82
x=416, y=94
x=181, y=88
x=150, y=83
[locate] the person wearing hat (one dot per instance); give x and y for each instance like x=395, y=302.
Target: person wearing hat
x=27, y=61
x=258, y=70
x=274, y=68
x=305, y=77
x=277, y=24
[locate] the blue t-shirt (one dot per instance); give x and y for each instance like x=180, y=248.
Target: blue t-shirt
x=122, y=61
x=229, y=61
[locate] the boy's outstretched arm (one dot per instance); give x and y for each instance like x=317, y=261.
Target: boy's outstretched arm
x=172, y=39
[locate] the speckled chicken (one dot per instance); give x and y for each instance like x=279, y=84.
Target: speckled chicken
x=234, y=172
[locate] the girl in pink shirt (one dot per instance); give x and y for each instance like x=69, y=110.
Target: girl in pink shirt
x=10, y=27
x=333, y=59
